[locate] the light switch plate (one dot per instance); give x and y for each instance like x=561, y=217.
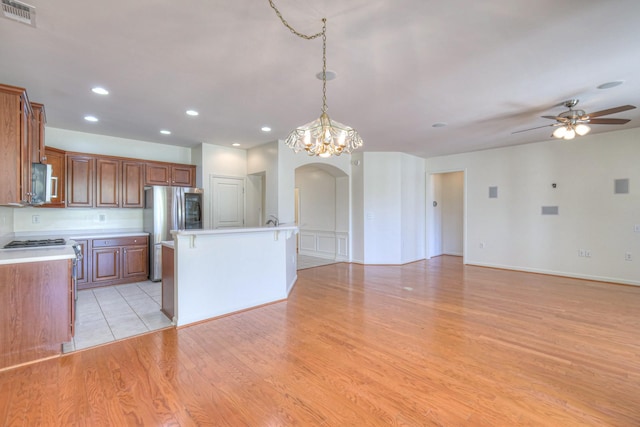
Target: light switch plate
x=636, y=228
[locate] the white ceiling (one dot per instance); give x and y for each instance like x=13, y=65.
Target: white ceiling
x=486, y=68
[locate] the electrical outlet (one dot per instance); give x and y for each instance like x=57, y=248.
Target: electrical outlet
x=102, y=217
x=581, y=253
x=587, y=253
x=636, y=228
x=481, y=245
x=627, y=256
x=35, y=219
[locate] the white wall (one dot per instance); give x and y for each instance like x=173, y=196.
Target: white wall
x=219, y=161
x=382, y=208
x=263, y=160
x=516, y=235
x=56, y=220
x=111, y=146
x=357, y=208
x=317, y=199
x=412, y=198
x=6, y=221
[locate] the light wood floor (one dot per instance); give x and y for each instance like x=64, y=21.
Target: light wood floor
x=429, y=343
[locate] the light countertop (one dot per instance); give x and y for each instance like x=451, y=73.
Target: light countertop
x=50, y=253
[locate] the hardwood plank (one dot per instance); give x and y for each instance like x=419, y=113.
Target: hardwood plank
x=429, y=343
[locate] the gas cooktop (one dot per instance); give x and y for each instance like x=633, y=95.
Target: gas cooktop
x=34, y=243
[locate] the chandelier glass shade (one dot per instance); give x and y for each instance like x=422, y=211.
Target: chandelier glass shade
x=322, y=137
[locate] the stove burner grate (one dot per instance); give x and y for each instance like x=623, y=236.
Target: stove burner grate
x=34, y=243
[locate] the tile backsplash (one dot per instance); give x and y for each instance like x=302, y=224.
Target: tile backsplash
x=28, y=220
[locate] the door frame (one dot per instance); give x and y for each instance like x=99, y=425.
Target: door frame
x=430, y=223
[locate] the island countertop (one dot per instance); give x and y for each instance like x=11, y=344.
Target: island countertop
x=234, y=230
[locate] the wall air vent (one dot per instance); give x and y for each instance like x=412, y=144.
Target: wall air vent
x=19, y=11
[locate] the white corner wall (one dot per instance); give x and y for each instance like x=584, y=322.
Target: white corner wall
x=515, y=235
x=263, y=160
x=412, y=198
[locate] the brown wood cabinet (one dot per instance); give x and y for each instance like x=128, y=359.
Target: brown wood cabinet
x=168, y=284
x=172, y=174
x=16, y=129
x=132, y=184
x=82, y=273
x=56, y=158
x=80, y=177
x=115, y=260
x=108, y=182
x=36, y=316
x=37, y=143
x=104, y=182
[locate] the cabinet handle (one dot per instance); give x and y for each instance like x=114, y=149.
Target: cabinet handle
x=54, y=181
x=43, y=159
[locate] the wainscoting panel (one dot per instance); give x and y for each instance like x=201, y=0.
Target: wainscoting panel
x=325, y=244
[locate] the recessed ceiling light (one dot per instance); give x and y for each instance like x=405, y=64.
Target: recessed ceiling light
x=192, y=112
x=235, y=144
x=165, y=132
x=609, y=85
x=100, y=90
x=439, y=125
x=266, y=129
x=330, y=75
x=91, y=118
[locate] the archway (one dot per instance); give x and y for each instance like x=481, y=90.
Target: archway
x=322, y=213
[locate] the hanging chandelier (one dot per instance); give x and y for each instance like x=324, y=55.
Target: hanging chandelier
x=322, y=137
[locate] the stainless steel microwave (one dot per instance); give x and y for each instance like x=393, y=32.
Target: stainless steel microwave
x=40, y=184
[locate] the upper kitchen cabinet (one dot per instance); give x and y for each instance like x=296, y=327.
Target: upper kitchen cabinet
x=104, y=182
x=16, y=126
x=56, y=158
x=37, y=141
x=170, y=174
x=108, y=183
x=80, y=177
x=132, y=184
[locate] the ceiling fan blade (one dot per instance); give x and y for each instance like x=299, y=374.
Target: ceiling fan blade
x=539, y=127
x=549, y=117
x=612, y=111
x=609, y=121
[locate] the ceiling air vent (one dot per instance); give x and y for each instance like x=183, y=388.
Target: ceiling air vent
x=19, y=11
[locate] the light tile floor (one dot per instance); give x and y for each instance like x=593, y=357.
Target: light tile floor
x=115, y=312
x=120, y=311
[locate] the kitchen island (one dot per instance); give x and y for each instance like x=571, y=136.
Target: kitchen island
x=217, y=272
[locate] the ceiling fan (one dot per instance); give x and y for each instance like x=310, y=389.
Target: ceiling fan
x=575, y=122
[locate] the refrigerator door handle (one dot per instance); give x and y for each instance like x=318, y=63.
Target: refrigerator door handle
x=181, y=208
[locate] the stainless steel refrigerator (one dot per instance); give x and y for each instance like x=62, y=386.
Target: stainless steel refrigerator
x=166, y=209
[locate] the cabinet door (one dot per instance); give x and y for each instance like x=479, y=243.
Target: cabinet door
x=106, y=264
x=26, y=125
x=132, y=184
x=55, y=158
x=157, y=174
x=10, y=138
x=37, y=143
x=83, y=272
x=183, y=175
x=135, y=261
x=80, y=181
x=107, y=183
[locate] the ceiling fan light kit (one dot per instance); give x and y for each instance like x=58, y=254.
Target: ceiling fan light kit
x=576, y=122
x=322, y=137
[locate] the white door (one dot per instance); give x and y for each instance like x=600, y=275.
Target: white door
x=227, y=202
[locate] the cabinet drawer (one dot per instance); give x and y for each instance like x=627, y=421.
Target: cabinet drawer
x=120, y=241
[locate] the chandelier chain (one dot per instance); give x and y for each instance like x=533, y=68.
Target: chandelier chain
x=286, y=24
x=323, y=33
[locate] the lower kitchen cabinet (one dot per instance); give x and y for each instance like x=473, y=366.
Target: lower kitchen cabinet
x=115, y=260
x=37, y=310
